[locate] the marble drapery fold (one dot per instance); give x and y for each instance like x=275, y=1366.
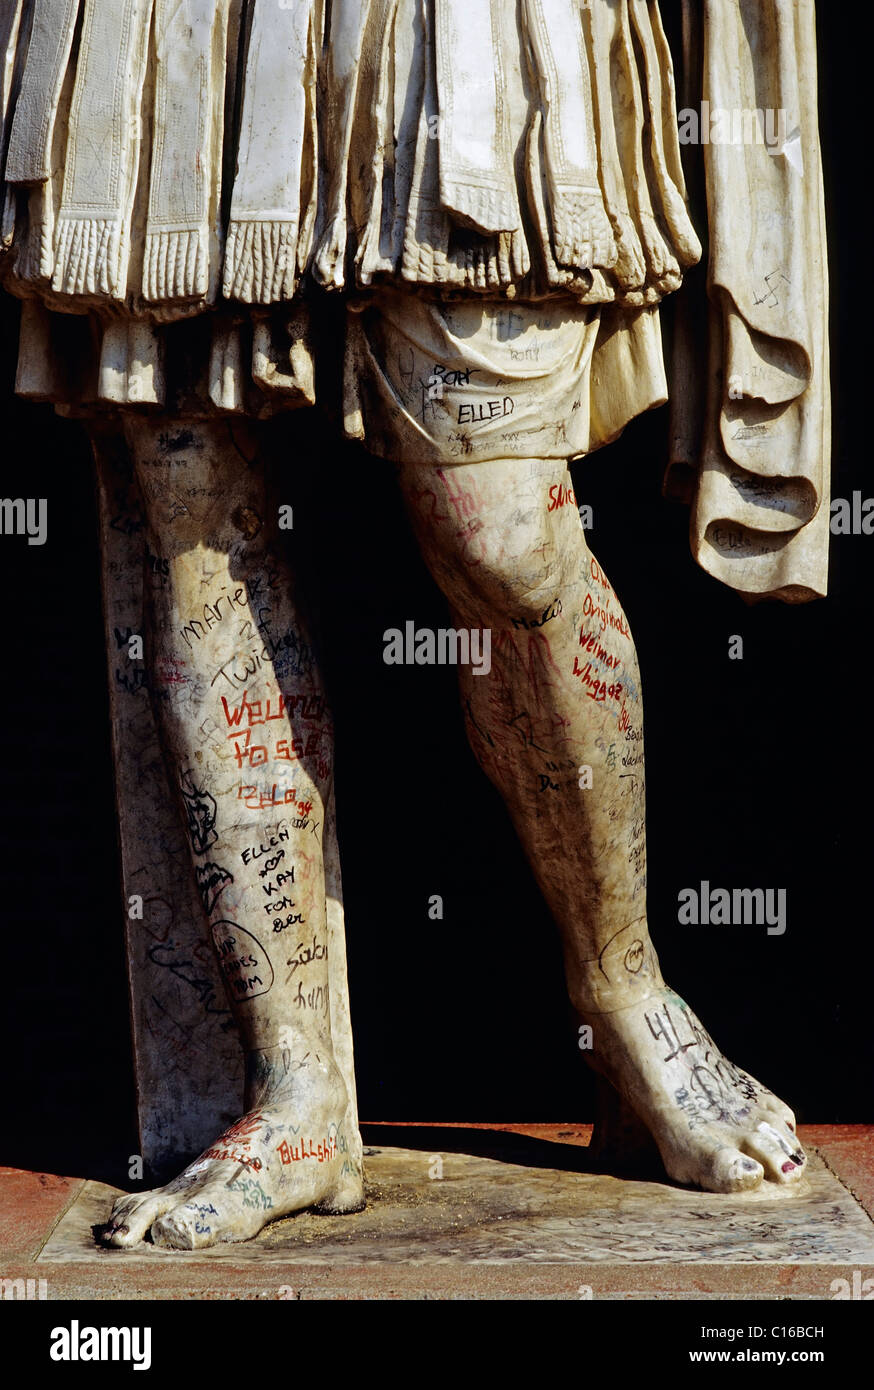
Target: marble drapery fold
x=758, y=442
x=53, y=22
x=92, y=233
x=476, y=164
x=183, y=233
x=563, y=176
x=271, y=220
x=581, y=232
x=144, y=140
x=569, y=180
x=10, y=30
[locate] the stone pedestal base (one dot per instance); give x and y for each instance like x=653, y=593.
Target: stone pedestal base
x=510, y=1213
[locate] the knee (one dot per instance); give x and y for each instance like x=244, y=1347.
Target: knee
x=514, y=561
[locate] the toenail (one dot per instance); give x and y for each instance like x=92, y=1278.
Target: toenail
x=749, y=1165
x=799, y=1158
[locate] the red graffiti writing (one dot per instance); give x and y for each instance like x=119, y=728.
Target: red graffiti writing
x=295, y=1153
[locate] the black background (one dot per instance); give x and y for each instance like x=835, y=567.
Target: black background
x=758, y=774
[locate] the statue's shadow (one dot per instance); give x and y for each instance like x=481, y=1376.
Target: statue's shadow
x=519, y=1150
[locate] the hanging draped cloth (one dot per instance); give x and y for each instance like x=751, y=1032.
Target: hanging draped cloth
x=758, y=444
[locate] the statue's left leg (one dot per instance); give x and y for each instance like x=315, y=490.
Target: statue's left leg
x=556, y=724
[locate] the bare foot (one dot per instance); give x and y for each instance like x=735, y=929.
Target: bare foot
x=714, y=1125
x=290, y=1153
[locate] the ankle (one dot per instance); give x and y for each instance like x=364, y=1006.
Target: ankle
x=623, y=975
x=276, y=1073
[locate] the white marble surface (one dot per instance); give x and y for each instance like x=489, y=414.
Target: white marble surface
x=484, y=1211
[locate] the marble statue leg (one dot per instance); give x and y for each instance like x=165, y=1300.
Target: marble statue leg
x=188, y=1064
x=227, y=650
x=557, y=726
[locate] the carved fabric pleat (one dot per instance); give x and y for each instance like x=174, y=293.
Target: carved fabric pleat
x=576, y=112
x=182, y=232
x=11, y=14
x=469, y=144
x=134, y=105
x=267, y=210
x=28, y=157
x=92, y=233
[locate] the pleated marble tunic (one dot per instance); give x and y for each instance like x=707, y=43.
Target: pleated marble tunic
x=526, y=147
x=503, y=153
x=163, y=158
x=130, y=116
x=141, y=189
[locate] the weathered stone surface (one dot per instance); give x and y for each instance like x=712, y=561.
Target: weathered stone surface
x=486, y=1211
x=189, y=1067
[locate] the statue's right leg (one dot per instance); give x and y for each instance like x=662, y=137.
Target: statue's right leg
x=226, y=646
